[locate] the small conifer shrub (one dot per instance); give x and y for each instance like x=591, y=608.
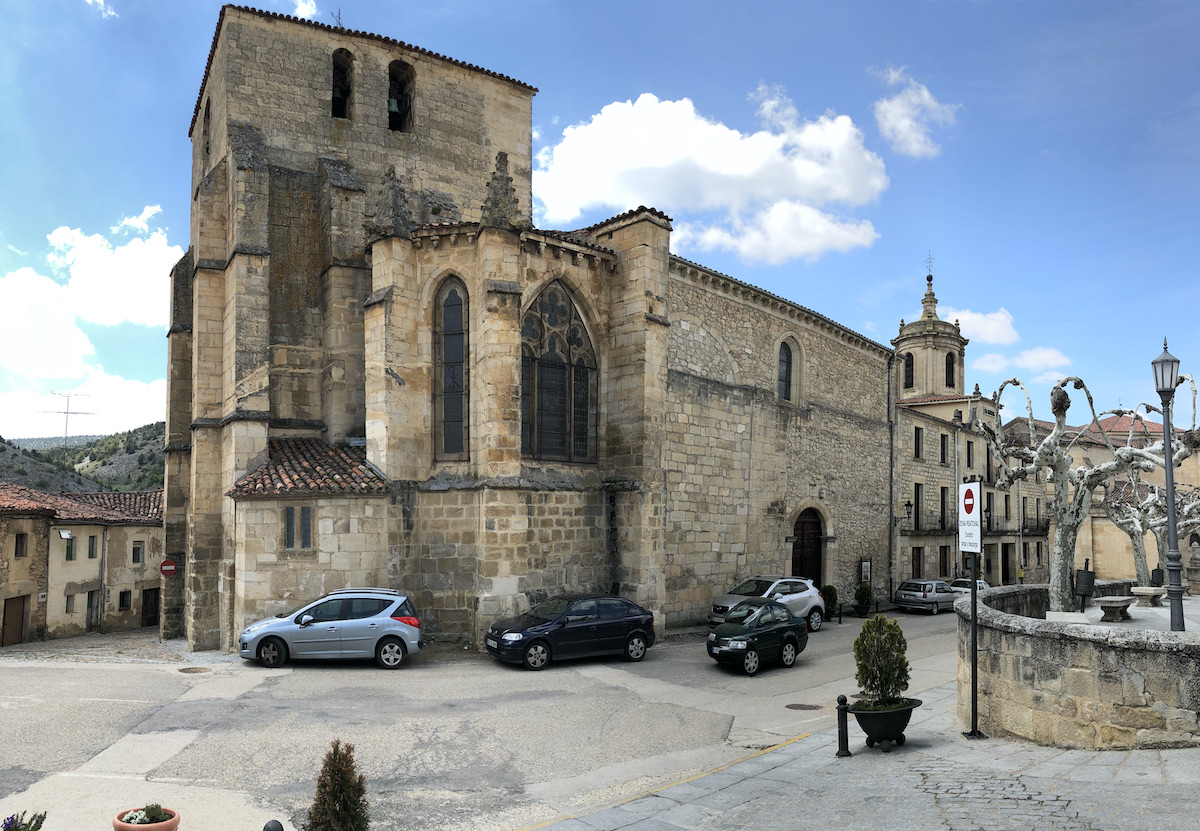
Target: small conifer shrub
x=340, y=803
x=879, y=652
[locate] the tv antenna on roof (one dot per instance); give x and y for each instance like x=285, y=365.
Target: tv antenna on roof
x=337, y=18
x=65, y=412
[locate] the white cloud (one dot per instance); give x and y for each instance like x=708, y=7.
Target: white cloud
x=1041, y=357
x=17, y=251
x=983, y=327
x=905, y=118
x=140, y=222
x=109, y=284
x=305, y=8
x=1038, y=359
x=104, y=9
x=992, y=362
x=111, y=404
x=41, y=340
x=768, y=188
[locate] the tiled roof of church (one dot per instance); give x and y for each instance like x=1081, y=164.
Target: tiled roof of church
x=299, y=466
x=939, y=399
x=136, y=508
x=639, y=209
x=323, y=26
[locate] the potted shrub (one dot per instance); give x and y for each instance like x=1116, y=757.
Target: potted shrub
x=830, y=596
x=153, y=817
x=18, y=822
x=882, y=674
x=864, y=597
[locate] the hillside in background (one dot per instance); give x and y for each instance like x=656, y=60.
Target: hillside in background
x=131, y=461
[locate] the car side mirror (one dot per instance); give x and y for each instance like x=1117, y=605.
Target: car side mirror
x=778, y=596
x=304, y=621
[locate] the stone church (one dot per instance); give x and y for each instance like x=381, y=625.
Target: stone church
x=380, y=373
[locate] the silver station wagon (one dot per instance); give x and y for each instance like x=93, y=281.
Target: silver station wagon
x=925, y=595
x=348, y=623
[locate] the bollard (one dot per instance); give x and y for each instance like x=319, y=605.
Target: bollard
x=843, y=731
x=273, y=825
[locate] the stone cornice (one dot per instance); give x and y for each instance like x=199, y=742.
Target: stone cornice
x=723, y=283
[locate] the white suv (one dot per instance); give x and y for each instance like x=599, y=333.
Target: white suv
x=797, y=593
x=348, y=623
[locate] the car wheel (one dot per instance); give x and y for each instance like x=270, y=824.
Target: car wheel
x=788, y=656
x=750, y=663
x=935, y=609
x=272, y=653
x=635, y=648
x=389, y=654
x=815, y=619
x=537, y=655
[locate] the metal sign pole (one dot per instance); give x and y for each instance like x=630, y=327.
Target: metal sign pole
x=970, y=540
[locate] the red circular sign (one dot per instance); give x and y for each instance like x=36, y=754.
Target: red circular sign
x=167, y=567
x=969, y=501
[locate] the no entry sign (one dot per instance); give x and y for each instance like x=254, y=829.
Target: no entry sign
x=970, y=537
x=167, y=568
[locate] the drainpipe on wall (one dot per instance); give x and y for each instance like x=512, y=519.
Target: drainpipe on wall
x=100, y=623
x=891, y=476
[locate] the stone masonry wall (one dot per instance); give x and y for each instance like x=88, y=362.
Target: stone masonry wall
x=1077, y=686
x=741, y=464
x=25, y=576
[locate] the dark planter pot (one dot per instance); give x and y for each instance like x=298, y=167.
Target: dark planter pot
x=886, y=727
x=862, y=610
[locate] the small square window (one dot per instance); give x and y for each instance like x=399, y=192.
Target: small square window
x=126, y=602
x=297, y=529
x=71, y=549
x=21, y=547
x=92, y=550
x=138, y=548
x=70, y=604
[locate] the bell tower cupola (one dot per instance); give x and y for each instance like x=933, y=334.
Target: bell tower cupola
x=929, y=353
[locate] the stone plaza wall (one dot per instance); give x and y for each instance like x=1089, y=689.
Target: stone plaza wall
x=1073, y=685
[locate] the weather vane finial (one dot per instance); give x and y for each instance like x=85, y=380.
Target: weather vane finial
x=929, y=263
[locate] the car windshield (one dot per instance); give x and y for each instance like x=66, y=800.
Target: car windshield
x=296, y=610
x=549, y=609
x=752, y=588
x=743, y=613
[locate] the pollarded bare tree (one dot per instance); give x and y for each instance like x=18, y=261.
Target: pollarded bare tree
x=1050, y=461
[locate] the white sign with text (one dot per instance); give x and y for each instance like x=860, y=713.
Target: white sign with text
x=970, y=513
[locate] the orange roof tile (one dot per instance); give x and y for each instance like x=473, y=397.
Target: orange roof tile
x=299, y=466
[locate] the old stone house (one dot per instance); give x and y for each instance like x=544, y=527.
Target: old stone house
x=937, y=448
x=74, y=563
x=381, y=373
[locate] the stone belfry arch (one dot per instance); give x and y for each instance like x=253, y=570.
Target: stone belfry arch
x=930, y=353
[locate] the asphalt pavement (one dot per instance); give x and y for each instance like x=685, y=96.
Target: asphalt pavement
x=696, y=746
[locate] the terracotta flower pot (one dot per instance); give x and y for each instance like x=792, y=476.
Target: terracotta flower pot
x=166, y=825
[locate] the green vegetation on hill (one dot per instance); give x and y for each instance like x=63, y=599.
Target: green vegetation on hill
x=131, y=461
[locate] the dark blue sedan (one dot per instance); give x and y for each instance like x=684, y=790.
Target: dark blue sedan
x=758, y=630
x=572, y=626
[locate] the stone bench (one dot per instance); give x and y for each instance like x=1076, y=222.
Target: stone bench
x=1115, y=609
x=1149, y=595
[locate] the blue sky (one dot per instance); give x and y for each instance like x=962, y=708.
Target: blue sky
x=1044, y=154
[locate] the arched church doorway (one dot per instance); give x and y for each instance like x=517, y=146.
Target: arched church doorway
x=806, y=547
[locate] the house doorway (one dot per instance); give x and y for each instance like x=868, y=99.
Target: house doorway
x=149, y=607
x=806, y=547
x=14, y=620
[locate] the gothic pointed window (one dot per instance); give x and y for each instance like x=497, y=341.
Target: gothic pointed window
x=400, y=97
x=950, y=369
x=558, y=380
x=784, y=388
x=343, y=81
x=908, y=371
x=451, y=391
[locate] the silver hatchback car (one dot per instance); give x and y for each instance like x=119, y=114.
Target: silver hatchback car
x=797, y=593
x=348, y=623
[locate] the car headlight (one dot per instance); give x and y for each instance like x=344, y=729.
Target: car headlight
x=737, y=644
x=511, y=636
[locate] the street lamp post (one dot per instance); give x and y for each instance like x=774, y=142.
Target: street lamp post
x=1166, y=377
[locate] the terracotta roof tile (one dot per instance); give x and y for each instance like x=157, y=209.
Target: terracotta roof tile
x=325, y=27
x=300, y=466
x=135, y=508
x=940, y=399
x=639, y=209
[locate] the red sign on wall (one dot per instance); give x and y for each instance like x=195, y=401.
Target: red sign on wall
x=167, y=568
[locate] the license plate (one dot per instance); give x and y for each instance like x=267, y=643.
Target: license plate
x=491, y=643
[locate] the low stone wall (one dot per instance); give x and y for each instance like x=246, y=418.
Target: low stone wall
x=1073, y=685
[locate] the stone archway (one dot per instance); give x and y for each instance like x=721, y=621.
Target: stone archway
x=808, y=546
